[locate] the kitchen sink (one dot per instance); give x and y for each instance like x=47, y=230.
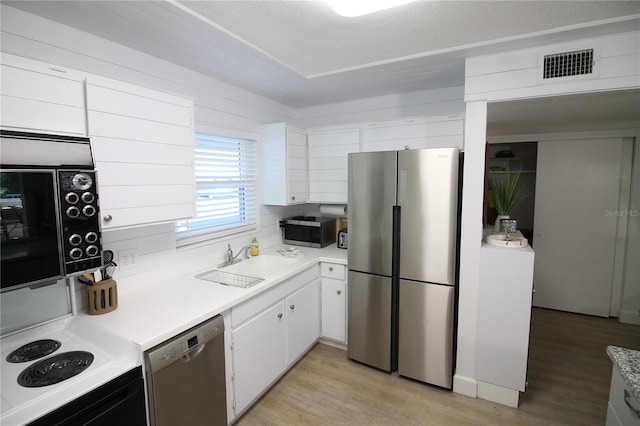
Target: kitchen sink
x=229, y=278
x=262, y=265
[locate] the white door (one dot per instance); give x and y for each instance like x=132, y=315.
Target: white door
x=577, y=194
x=258, y=354
x=334, y=309
x=303, y=320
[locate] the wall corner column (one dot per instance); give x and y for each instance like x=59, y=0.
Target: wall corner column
x=475, y=130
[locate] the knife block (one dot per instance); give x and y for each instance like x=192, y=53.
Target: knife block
x=102, y=297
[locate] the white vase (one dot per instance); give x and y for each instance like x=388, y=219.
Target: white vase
x=498, y=219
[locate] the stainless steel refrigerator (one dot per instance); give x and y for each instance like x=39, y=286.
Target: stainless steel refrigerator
x=403, y=251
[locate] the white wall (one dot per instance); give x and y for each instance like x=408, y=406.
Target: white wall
x=517, y=74
x=384, y=108
x=513, y=75
x=464, y=380
x=219, y=108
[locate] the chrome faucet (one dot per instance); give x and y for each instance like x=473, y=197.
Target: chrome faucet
x=231, y=259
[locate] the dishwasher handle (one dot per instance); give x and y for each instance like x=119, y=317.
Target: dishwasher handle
x=191, y=356
x=184, y=347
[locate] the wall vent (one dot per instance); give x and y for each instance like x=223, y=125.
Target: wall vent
x=567, y=64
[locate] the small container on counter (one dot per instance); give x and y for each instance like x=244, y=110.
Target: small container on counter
x=255, y=249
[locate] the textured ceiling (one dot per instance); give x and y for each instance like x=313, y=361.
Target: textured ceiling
x=300, y=53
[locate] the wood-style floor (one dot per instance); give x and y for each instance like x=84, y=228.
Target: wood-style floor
x=568, y=375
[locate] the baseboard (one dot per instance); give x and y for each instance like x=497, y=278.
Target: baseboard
x=332, y=343
x=629, y=317
x=499, y=394
x=465, y=386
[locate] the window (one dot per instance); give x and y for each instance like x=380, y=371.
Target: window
x=226, y=189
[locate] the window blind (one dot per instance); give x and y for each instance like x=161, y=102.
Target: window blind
x=226, y=172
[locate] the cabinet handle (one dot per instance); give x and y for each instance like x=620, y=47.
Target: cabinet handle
x=108, y=218
x=280, y=315
x=330, y=268
x=292, y=307
x=339, y=292
x=293, y=197
x=627, y=400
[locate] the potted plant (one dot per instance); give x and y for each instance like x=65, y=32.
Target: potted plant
x=505, y=193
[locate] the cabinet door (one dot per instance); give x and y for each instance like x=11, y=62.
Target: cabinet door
x=334, y=309
x=303, y=320
x=258, y=354
x=297, y=169
x=42, y=98
x=284, y=165
x=143, y=145
x=623, y=405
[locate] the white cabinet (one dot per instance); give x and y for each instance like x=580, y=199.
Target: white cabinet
x=303, y=320
x=334, y=302
x=284, y=165
x=258, y=354
x=623, y=408
x=143, y=146
x=328, y=163
x=40, y=97
x=269, y=333
x=416, y=133
x=505, y=291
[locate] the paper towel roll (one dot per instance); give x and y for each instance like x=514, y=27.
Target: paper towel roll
x=333, y=209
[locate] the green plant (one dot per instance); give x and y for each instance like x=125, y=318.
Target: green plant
x=505, y=192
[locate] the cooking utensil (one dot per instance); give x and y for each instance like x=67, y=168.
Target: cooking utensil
x=107, y=257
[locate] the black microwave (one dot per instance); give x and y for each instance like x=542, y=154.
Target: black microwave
x=309, y=231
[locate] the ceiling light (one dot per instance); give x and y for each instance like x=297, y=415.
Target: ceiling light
x=351, y=8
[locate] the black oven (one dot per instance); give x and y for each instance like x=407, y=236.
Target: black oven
x=121, y=401
x=49, y=215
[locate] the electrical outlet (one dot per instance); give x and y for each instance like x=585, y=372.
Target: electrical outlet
x=127, y=259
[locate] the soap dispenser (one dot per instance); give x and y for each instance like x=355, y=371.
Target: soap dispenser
x=255, y=250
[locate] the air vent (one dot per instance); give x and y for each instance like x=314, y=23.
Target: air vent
x=567, y=64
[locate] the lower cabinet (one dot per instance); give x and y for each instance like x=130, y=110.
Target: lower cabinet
x=258, y=354
x=623, y=408
x=303, y=320
x=334, y=302
x=270, y=332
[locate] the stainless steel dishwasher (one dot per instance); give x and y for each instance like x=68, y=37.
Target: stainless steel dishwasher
x=186, y=377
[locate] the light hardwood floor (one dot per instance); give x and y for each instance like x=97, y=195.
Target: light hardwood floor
x=568, y=375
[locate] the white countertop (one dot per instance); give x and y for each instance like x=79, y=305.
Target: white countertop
x=165, y=308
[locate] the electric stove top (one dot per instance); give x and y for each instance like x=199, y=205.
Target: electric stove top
x=49, y=365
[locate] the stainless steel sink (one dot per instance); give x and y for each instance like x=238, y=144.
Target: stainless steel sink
x=230, y=278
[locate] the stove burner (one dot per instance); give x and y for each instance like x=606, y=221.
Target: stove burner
x=33, y=350
x=55, y=369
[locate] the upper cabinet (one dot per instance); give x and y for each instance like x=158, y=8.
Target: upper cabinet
x=143, y=146
x=284, y=165
x=42, y=98
x=328, y=163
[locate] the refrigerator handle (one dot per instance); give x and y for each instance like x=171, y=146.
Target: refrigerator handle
x=395, y=285
x=395, y=242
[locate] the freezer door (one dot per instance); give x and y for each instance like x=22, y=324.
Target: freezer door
x=425, y=335
x=370, y=319
x=428, y=200
x=372, y=195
